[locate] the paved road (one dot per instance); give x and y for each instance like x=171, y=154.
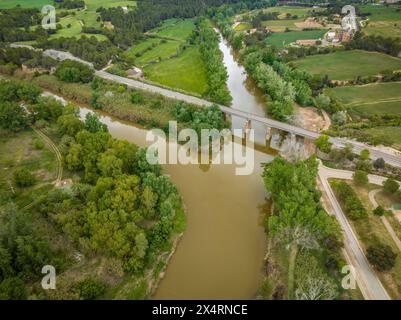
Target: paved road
x=387, y=224
x=368, y=282
x=394, y=160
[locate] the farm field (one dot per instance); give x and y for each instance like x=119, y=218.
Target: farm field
x=282, y=25
x=162, y=51
x=280, y=39
x=346, y=65
x=185, y=72
x=383, y=21
x=392, y=135
x=7, y=4
x=301, y=12
x=371, y=99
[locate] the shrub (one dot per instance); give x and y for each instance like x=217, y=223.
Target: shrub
x=136, y=97
x=381, y=256
x=90, y=289
x=323, y=143
x=351, y=204
x=379, y=163
x=24, y=178
x=379, y=211
x=74, y=71
x=391, y=186
x=38, y=144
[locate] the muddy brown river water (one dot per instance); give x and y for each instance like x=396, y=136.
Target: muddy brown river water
x=220, y=255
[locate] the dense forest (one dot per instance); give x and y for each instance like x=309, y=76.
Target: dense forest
x=121, y=207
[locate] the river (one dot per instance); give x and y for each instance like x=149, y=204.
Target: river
x=220, y=255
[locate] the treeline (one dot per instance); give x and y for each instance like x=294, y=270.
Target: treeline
x=300, y=224
x=11, y=58
x=15, y=25
x=281, y=92
x=71, y=4
x=150, y=13
x=88, y=49
x=391, y=46
x=353, y=207
x=216, y=72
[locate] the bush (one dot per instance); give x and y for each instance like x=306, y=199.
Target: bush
x=391, y=186
x=24, y=178
x=136, y=97
x=74, y=71
x=381, y=256
x=360, y=177
x=90, y=289
x=38, y=144
x=323, y=143
x=379, y=211
x=379, y=163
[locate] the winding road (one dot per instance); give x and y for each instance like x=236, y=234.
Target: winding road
x=369, y=283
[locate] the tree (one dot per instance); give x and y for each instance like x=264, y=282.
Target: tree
x=90, y=288
x=74, y=71
x=364, y=155
x=360, y=177
x=93, y=123
x=24, y=178
x=379, y=163
x=391, y=186
x=323, y=143
x=381, y=256
x=13, y=116
x=69, y=124
x=12, y=289
x=379, y=211
x=109, y=165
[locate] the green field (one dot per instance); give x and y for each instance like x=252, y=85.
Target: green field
x=185, y=72
x=346, y=65
x=371, y=99
x=281, y=39
x=162, y=51
x=75, y=29
x=94, y=4
x=7, y=4
x=383, y=21
x=281, y=25
x=243, y=26
x=390, y=134
x=175, y=29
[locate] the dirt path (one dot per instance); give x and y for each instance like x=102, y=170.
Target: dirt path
x=54, y=148
x=388, y=226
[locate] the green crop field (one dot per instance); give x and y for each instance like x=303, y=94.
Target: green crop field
x=185, y=72
x=243, y=26
x=381, y=13
x=141, y=46
x=371, y=99
x=390, y=134
x=346, y=65
x=175, y=29
x=280, y=39
x=301, y=12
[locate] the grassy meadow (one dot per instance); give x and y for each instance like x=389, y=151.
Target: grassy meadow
x=383, y=21
x=379, y=98
x=346, y=65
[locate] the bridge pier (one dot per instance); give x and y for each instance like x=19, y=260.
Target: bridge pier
x=268, y=134
x=247, y=128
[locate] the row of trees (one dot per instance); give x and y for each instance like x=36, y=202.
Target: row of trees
x=215, y=70
x=300, y=223
x=352, y=206
x=281, y=92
